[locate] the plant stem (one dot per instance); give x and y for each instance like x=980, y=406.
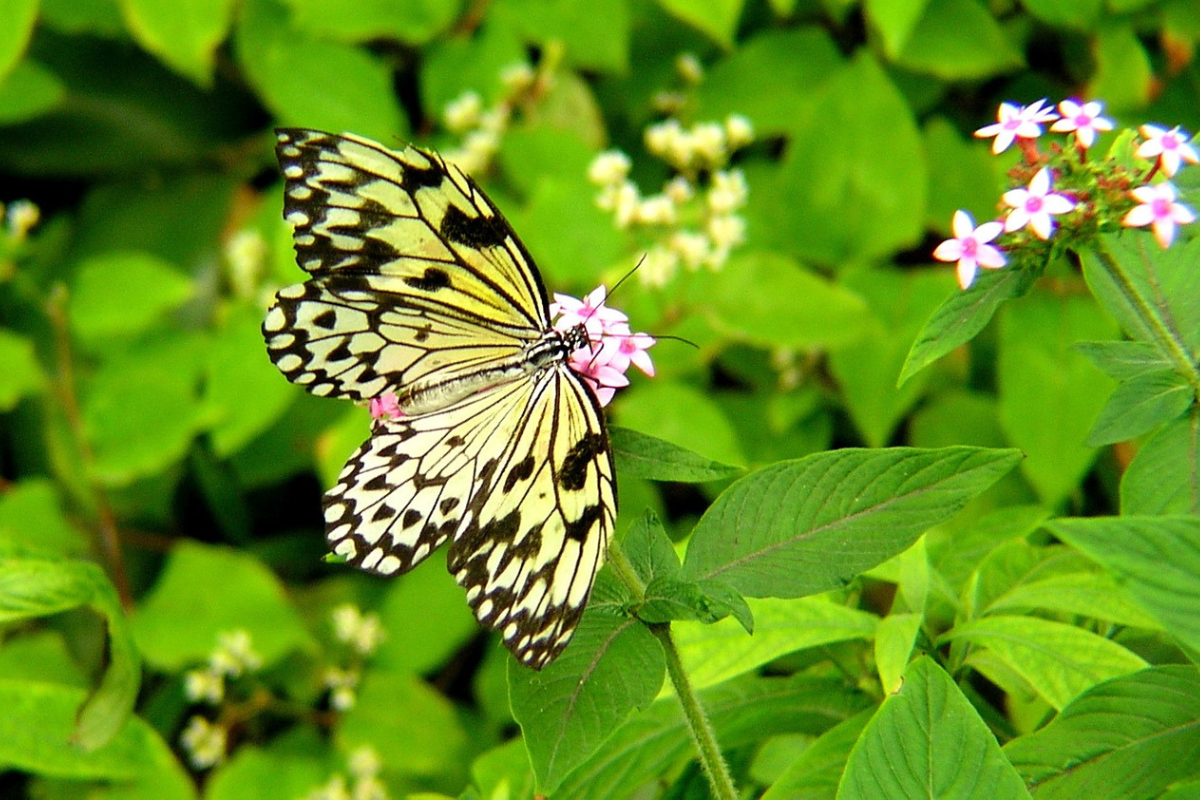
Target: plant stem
x=1168, y=343
x=698, y=724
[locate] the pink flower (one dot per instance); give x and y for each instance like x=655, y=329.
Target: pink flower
x=1033, y=206
x=1023, y=121
x=1170, y=147
x=970, y=247
x=590, y=312
x=1159, y=210
x=604, y=361
x=1084, y=120
x=385, y=407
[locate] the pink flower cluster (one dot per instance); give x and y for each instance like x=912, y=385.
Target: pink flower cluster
x=613, y=348
x=1036, y=205
x=602, y=363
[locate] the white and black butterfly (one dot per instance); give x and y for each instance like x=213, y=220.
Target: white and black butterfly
x=420, y=287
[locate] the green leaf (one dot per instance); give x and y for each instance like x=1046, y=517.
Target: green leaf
x=184, y=34
x=36, y=737
x=574, y=704
x=714, y=653
x=34, y=588
x=894, y=640
x=927, y=740
x=967, y=177
x=868, y=199
x=426, y=619
x=388, y=705
x=1059, y=661
x=1125, y=76
x=801, y=527
x=124, y=293
x=1078, y=14
x=1132, y=736
x=236, y=370
x=29, y=91
x=815, y=775
x=1140, y=404
x=250, y=597
x=1050, y=394
x=685, y=417
x=1123, y=360
x=316, y=84
x=956, y=40
x=895, y=21
x=1085, y=594
x=595, y=35
x=866, y=370
x=1157, y=559
x=640, y=455
x=1174, y=452
x=769, y=300
x=22, y=374
x=744, y=712
x=18, y=16
x=140, y=409
x=414, y=22
x=649, y=549
x=962, y=315
x=716, y=18
x=256, y=774
x=670, y=599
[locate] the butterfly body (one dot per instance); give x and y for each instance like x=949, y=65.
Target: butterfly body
x=419, y=287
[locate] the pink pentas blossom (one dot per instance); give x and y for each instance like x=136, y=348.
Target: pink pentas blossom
x=970, y=247
x=1170, y=147
x=612, y=346
x=386, y=406
x=1015, y=121
x=1033, y=206
x=1083, y=119
x=1158, y=209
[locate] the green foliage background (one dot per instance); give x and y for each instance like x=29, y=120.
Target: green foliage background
x=160, y=480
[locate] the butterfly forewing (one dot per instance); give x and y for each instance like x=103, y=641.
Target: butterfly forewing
x=419, y=287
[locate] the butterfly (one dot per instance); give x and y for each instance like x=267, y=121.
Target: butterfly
x=420, y=287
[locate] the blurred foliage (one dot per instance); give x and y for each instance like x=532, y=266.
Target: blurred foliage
x=160, y=481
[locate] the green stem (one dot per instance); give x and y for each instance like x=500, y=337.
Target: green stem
x=698, y=724
x=1167, y=342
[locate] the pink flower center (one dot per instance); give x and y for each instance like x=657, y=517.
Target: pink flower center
x=1082, y=120
x=1033, y=204
x=1170, y=142
x=627, y=346
x=1012, y=124
x=970, y=247
x=1161, y=207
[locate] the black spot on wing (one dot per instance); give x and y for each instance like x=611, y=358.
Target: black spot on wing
x=474, y=232
x=521, y=472
x=326, y=319
x=448, y=505
x=433, y=280
x=572, y=475
x=430, y=177
x=577, y=530
x=411, y=517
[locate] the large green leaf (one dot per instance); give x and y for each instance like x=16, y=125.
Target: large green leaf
x=1132, y=736
x=1164, y=476
x=643, y=456
x=18, y=16
x=801, y=527
x=927, y=740
x=184, y=34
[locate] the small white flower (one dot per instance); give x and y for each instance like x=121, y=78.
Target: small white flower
x=689, y=68
x=609, y=168
x=727, y=231
x=1034, y=206
x=1158, y=209
x=234, y=654
x=625, y=202
x=656, y=210
x=1084, y=120
x=495, y=120
x=693, y=248
x=335, y=789
x=658, y=267
x=709, y=143
x=204, y=685
x=970, y=247
x=517, y=77
x=22, y=216
x=462, y=113
x=739, y=130
x=727, y=192
x=204, y=743
x=364, y=762
x=1016, y=121
x=664, y=138
x=341, y=684
x=363, y=632
x=1170, y=147
x=679, y=189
